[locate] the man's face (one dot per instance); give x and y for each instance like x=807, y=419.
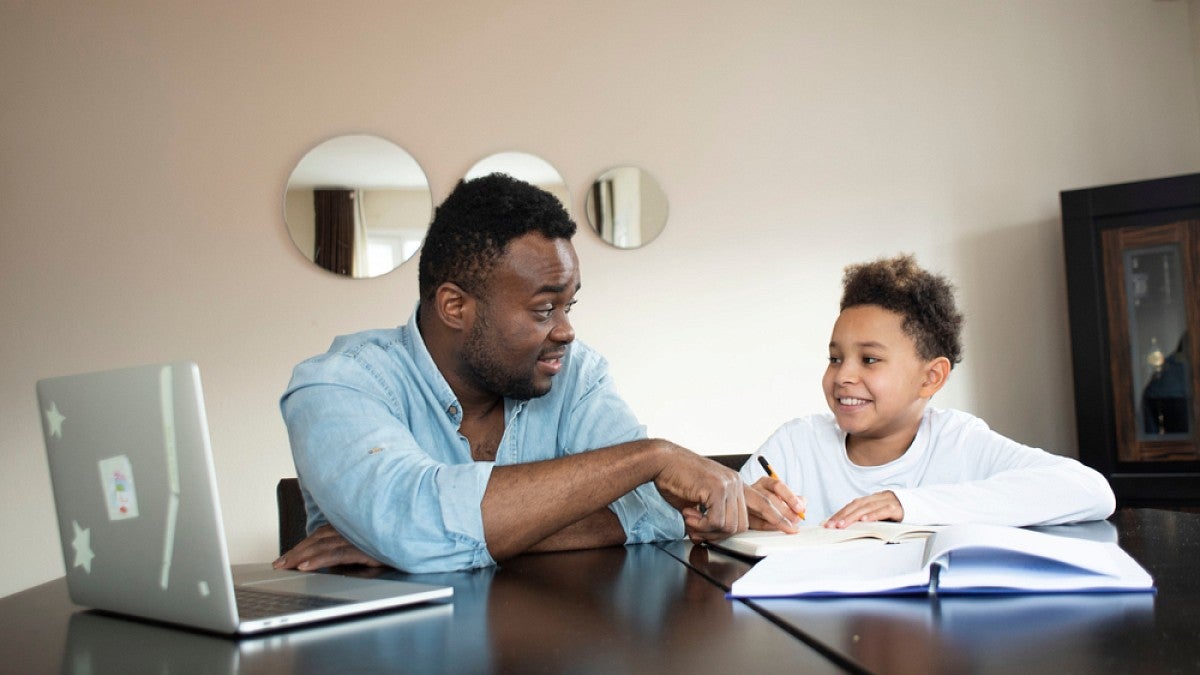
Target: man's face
x=520, y=332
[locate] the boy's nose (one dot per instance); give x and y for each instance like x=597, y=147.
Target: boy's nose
x=846, y=373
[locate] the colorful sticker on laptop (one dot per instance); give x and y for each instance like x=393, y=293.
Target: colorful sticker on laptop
x=120, y=494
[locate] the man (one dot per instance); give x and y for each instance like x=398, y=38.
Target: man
x=481, y=429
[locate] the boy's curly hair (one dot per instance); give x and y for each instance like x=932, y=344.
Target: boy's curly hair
x=925, y=300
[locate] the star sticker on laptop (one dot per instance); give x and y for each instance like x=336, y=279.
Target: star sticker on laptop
x=83, y=547
x=55, y=420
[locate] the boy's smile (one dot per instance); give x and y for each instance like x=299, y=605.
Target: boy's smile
x=876, y=383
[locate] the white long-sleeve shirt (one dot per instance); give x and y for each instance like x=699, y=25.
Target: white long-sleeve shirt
x=957, y=470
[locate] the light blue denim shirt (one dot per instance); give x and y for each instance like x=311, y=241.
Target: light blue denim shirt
x=374, y=434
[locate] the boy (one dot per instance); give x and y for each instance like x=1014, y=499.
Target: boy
x=882, y=454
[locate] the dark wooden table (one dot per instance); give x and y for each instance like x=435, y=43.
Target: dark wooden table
x=1065, y=633
x=634, y=609
x=638, y=610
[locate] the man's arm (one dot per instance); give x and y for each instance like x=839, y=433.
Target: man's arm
x=561, y=504
x=391, y=472
x=526, y=503
x=596, y=530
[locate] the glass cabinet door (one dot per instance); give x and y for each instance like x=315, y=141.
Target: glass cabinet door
x=1151, y=297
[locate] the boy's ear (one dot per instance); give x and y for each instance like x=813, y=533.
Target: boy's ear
x=937, y=372
x=453, y=306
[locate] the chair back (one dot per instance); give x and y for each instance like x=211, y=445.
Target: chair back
x=734, y=462
x=293, y=518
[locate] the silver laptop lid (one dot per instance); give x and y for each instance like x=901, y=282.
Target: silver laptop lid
x=136, y=494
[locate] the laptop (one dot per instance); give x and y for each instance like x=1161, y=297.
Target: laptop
x=140, y=523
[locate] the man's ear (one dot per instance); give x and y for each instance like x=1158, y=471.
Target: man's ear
x=453, y=306
x=937, y=372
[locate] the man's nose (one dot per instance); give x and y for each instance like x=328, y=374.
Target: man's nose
x=563, y=331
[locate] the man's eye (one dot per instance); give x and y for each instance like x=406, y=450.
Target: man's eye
x=544, y=313
x=569, y=307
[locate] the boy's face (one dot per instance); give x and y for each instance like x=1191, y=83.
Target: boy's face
x=876, y=383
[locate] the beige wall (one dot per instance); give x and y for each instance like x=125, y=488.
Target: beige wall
x=145, y=146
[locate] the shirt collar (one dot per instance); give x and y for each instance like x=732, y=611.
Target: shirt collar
x=428, y=369
x=430, y=373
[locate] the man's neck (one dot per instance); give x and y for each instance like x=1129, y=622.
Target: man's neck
x=475, y=404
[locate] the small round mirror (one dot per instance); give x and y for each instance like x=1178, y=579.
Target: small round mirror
x=626, y=207
x=358, y=205
x=524, y=166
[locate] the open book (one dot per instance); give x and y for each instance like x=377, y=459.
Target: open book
x=956, y=559
x=758, y=543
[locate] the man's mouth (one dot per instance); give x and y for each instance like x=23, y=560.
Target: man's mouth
x=551, y=363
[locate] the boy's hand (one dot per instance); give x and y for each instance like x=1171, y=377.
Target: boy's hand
x=879, y=506
x=766, y=511
x=787, y=509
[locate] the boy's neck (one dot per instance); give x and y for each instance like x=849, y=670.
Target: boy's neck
x=877, y=451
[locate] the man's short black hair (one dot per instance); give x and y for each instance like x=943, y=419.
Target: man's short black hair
x=925, y=300
x=472, y=228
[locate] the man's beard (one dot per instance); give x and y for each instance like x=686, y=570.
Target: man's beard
x=485, y=369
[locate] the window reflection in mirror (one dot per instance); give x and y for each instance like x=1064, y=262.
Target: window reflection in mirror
x=626, y=207
x=524, y=166
x=358, y=205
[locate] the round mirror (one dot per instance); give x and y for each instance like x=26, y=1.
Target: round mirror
x=524, y=166
x=358, y=206
x=626, y=207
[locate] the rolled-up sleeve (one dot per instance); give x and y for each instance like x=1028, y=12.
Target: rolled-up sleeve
x=374, y=429
x=600, y=418
x=365, y=472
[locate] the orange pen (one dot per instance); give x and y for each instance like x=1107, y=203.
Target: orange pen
x=771, y=472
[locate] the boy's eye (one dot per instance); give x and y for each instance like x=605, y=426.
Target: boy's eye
x=870, y=360
x=834, y=360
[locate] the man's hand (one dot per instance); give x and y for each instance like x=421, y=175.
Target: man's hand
x=709, y=495
x=324, y=548
x=879, y=506
x=714, y=501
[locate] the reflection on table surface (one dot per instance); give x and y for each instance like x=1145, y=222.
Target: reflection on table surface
x=638, y=609
x=631, y=609
x=1101, y=632
x=104, y=643
x=1076, y=632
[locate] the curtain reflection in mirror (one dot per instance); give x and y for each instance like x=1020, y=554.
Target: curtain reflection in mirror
x=619, y=221
x=360, y=233
x=333, y=247
x=357, y=205
x=626, y=207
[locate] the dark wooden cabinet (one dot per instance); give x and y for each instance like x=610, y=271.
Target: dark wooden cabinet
x=1133, y=289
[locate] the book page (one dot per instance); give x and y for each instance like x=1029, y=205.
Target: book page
x=852, y=569
x=764, y=542
x=988, y=557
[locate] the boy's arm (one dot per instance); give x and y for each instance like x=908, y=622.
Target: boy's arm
x=1000, y=481
x=1044, y=495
